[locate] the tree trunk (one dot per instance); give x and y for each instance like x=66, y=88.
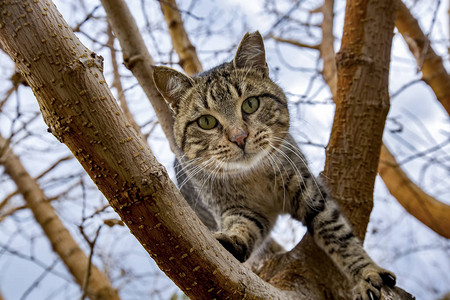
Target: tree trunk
x=392, y=172
x=362, y=104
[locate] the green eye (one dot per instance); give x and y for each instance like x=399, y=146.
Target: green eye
x=207, y=122
x=250, y=105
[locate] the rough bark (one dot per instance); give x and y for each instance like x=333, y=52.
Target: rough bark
x=433, y=70
x=180, y=39
x=388, y=168
x=139, y=61
x=98, y=287
x=78, y=107
x=362, y=104
x=428, y=210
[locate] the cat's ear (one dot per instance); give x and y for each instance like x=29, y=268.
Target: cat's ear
x=251, y=53
x=171, y=84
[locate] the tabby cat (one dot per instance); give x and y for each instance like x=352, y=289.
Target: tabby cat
x=241, y=165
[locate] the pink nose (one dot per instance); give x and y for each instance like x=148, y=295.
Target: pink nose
x=238, y=137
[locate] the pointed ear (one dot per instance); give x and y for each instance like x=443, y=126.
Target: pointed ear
x=171, y=84
x=250, y=53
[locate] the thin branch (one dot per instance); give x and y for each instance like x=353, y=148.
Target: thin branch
x=89, y=16
x=117, y=83
x=293, y=42
x=54, y=165
x=37, y=281
x=91, y=254
x=139, y=61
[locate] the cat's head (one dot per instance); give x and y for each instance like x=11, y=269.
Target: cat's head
x=231, y=117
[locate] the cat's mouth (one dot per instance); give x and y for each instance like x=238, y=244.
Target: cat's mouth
x=244, y=163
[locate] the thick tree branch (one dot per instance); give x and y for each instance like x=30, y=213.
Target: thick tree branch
x=433, y=70
x=428, y=210
x=362, y=104
x=180, y=40
x=80, y=111
x=98, y=286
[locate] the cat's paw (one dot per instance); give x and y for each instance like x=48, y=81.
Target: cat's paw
x=369, y=286
x=234, y=244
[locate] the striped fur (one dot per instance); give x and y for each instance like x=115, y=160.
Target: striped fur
x=246, y=187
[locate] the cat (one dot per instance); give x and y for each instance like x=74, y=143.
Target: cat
x=241, y=167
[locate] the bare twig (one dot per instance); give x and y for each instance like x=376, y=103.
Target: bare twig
x=91, y=254
x=89, y=16
x=53, y=166
x=293, y=42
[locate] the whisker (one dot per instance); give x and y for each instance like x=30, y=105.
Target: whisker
x=194, y=171
x=282, y=179
x=273, y=164
x=211, y=174
x=297, y=172
x=300, y=156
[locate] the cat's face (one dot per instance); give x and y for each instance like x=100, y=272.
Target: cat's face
x=230, y=118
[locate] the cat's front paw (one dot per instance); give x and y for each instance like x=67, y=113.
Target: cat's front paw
x=234, y=244
x=369, y=286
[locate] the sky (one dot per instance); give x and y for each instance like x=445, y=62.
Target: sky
x=395, y=240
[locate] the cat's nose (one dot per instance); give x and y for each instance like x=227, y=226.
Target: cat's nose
x=238, y=137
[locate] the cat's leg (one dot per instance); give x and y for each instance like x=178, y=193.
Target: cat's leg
x=242, y=230
x=332, y=232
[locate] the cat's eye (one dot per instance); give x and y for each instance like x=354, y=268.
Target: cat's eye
x=207, y=122
x=250, y=105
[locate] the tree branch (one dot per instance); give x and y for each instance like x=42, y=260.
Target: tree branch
x=180, y=40
x=428, y=210
x=433, y=70
x=302, y=262
x=117, y=84
x=137, y=59
x=293, y=42
x=60, y=238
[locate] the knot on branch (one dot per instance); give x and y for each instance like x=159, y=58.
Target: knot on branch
x=130, y=62
x=348, y=59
